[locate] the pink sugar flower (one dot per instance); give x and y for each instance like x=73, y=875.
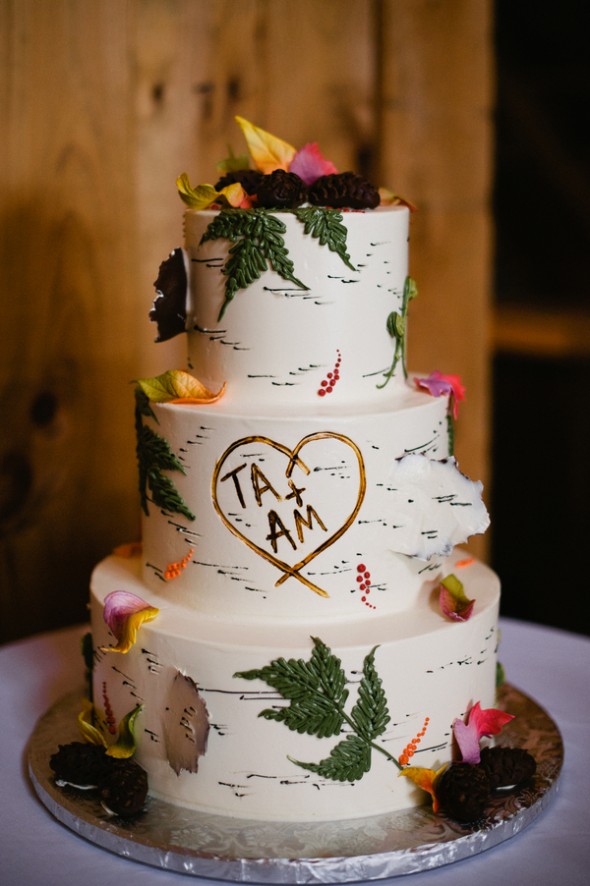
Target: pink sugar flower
x=480, y=723
x=439, y=384
x=453, y=601
x=124, y=613
x=309, y=164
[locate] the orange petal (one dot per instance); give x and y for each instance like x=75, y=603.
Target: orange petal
x=267, y=151
x=177, y=386
x=425, y=779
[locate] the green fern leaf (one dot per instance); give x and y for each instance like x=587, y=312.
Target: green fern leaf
x=143, y=407
x=154, y=455
x=295, y=679
x=259, y=244
x=316, y=689
x=326, y=226
x=156, y=451
x=165, y=495
x=315, y=716
x=328, y=669
x=349, y=760
x=229, y=225
x=370, y=714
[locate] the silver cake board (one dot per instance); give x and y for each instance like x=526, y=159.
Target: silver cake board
x=223, y=848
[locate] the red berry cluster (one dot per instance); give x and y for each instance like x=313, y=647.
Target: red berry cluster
x=364, y=582
x=332, y=378
x=109, y=715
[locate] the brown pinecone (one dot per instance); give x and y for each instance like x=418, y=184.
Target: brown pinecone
x=124, y=788
x=169, y=308
x=248, y=178
x=507, y=766
x=344, y=190
x=463, y=791
x=281, y=190
x=79, y=764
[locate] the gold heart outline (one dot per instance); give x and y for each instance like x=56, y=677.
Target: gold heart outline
x=294, y=459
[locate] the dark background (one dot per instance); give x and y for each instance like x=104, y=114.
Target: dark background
x=541, y=419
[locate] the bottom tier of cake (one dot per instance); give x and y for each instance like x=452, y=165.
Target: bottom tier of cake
x=293, y=721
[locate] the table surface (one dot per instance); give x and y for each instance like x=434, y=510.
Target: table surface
x=551, y=666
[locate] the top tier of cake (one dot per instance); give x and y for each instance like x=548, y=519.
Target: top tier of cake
x=298, y=309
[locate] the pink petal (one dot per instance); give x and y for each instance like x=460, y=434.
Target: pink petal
x=452, y=609
x=434, y=384
x=309, y=164
x=118, y=606
x=437, y=384
x=468, y=741
x=453, y=601
x=488, y=722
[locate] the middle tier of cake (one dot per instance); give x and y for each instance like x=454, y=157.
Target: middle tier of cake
x=321, y=516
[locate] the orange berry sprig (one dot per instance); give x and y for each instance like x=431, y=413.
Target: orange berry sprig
x=173, y=570
x=411, y=748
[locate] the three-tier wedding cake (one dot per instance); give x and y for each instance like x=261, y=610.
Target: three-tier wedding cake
x=297, y=628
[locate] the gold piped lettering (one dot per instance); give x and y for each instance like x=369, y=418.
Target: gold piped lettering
x=277, y=530
x=300, y=521
x=261, y=487
x=234, y=475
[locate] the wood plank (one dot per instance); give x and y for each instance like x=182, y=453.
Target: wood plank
x=67, y=448
x=103, y=104
x=435, y=107
x=186, y=101
x=319, y=71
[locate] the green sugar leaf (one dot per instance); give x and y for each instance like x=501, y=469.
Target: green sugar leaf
x=125, y=746
x=229, y=225
x=328, y=669
x=154, y=455
x=451, y=433
x=166, y=496
x=259, y=245
x=410, y=290
x=292, y=678
x=155, y=450
x=296, y=679
x=316, y=690
x=143, y=406
x=370, y=713
x=349, y=760
x=326, y=226
x=396, y=327
x=310, y=716
x=258, y=242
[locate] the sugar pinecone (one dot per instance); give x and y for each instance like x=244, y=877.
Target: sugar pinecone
x=463, y=791
x=507, y=766
x=281, y=190
x=79, y=763
x=124, y=788
x=248, y=178
x=342, y=190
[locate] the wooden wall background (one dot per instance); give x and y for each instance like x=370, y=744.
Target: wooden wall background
x=102, y=104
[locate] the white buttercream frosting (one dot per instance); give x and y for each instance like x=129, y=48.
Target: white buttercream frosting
x=276, y=342
x=317, y=498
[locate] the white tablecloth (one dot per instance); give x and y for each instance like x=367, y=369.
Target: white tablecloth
x=553, y=667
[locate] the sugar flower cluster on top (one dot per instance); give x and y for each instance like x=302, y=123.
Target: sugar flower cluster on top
x=275, y=175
